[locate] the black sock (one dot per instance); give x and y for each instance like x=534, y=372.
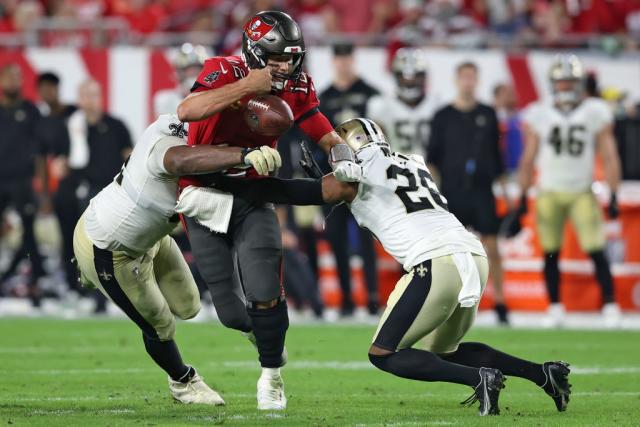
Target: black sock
x=603, y=275
x=167, y=356
x=552, y=276
x=270, y=328
x=423, y=365
x=479, y=355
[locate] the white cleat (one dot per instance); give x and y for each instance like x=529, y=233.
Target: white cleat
x=555, y=316
x=612, y=315
x=194, y=391
x=271, y=391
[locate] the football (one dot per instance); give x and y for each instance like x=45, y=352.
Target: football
x=268, y=115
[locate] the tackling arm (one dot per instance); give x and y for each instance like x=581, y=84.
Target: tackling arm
x=200, y=159
x=287, y=191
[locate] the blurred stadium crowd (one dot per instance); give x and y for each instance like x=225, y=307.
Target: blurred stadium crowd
x=396, y=22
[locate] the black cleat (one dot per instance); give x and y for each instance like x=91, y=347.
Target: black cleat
x=557, y=383
x=487, y=392
x=503, y=314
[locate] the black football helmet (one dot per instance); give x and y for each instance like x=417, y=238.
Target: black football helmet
x=273, y=33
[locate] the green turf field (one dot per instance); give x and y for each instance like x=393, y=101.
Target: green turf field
x=95, y=373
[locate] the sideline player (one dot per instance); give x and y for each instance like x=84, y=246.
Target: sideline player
x=437, y=300
x=122, y=243
x=564, y=138
x=273, y=51
x=188, y=62
x=406, y=116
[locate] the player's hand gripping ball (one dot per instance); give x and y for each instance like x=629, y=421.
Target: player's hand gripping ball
x=268, y=115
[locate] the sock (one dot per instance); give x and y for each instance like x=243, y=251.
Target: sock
x=552, y=276
x=603, y=275
x=167, y=356
x=270, y=328
x=270, y=372
x=479, y=355
x=423, y=365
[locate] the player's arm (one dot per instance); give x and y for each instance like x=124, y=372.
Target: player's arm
x=606, y=146
x=300, y=192
x=203, y=159
x=201, y=105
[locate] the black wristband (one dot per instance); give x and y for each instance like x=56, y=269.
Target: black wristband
x=245, y=151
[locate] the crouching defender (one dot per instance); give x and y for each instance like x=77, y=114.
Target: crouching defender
x=122, y=243
x=437, y=300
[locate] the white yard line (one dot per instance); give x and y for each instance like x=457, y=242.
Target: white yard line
x=337, y=365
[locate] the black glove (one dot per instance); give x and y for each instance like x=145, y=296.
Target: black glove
x=308, y=163
x=511, y=224
x=614, y=210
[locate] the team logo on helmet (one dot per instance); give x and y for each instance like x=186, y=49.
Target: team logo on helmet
x=256, y=28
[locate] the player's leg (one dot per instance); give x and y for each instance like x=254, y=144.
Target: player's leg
x=422, y=301
x=587, y=218
x=551, y=213
x=487, y=223
x=130, y=283
x=258, y=244
x=212, y=252
x=445, y=341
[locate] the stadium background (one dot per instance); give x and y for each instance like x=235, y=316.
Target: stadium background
x=128, y=47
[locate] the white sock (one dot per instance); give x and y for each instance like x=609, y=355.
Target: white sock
x=270, y=372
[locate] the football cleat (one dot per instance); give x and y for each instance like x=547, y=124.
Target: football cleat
x=194, y=391
x=487, y=392
x=557, y=383
x=271, y=393
x=611, y=315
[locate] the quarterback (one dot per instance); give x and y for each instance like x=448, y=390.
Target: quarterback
x=122, y=244
x=406, y=117
x=436, y=301
x=564, y=137
x=247, y=244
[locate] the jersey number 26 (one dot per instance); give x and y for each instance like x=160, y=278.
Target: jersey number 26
x=408, y=193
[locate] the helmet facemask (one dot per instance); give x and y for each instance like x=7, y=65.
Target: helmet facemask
x=567, y=82
x=409, y=68
x=273, y=35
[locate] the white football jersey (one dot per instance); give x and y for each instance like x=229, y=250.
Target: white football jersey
x=407, y=128
x=167, y=101
x=400, y=204
x=567, y=143
x=137, y=208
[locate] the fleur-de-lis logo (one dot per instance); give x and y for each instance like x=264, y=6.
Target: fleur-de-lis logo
x=178, y=129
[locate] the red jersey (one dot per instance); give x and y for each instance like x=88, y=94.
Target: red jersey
x=228, y=126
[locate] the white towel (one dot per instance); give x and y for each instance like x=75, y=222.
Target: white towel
x=471, y=288
x=79, y=145
x=208, y=206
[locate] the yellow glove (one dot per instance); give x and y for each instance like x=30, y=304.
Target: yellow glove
x=264, y=159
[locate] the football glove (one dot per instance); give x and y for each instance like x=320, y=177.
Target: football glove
x=511, y=224
x=614, y=210
x=347, y=171
x=308, y=163
x=264, y=159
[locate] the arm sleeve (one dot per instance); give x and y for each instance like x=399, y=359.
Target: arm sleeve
x=155, y=162
x=300, y=192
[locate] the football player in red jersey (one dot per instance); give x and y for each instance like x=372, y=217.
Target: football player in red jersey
x=272, y=54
